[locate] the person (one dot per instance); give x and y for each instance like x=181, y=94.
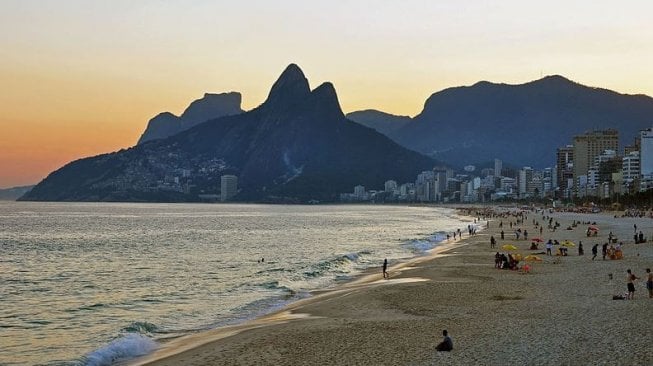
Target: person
x=493, y=242
x=631, y=284
x=502, y=235
x=549, y=246
x=497, y=260
x=447, y=343
x=649, y=283
x=385, y=268
x=604, y=250
x=595, y=251
x=448, y=237
x=580, y=249
x=525, y=235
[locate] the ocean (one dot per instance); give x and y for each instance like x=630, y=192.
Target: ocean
x=93, y=283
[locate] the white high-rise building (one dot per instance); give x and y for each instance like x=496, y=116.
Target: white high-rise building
x=390, y=186
x=498, y=166
x=228, y=187
x=646, y=153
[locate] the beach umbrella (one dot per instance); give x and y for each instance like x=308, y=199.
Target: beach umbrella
x=567, y=243
x=508, y=247
x=537, y=240
x=593, y=228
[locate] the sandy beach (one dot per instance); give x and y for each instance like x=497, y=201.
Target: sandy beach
x=562, y=312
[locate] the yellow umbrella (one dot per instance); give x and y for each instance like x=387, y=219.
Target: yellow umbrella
x=567, y=243
x=508, y=247
x=532, y=258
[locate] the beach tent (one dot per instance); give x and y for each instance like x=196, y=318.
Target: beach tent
x=508, y=247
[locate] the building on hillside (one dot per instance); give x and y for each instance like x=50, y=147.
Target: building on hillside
x=228, y=187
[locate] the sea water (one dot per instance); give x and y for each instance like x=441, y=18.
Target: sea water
x=96, y=283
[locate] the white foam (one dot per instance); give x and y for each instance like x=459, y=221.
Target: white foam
x=129, y=346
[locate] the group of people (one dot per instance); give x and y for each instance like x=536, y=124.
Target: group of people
x=506, y=261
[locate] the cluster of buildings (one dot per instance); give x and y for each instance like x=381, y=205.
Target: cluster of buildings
x=591, y=166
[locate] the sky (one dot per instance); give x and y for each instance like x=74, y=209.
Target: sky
x=82, y=77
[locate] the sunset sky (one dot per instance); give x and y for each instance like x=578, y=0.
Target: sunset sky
x=83, y=77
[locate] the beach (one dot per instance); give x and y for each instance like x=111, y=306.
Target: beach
x=562, y=312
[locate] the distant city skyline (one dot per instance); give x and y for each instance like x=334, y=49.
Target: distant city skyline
x=82, y=78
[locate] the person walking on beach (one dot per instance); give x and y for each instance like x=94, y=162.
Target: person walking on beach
x=493, y=242
x=525, y=235
x=604, y=250
x=581, y=251
x=631, y=284
x=385, y=268
x=595, y=251
x=447, y=343
x=549, y=246
x=502, y=234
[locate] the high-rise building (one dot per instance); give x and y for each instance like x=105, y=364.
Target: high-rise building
x=228, y=187
x=565, y=170
x=498, y=165
x=646, y=158
x=525, y=177
x=390, y=186
x=590, y=145
x=630, y=169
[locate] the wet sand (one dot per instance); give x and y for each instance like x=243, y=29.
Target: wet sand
x=560, y=313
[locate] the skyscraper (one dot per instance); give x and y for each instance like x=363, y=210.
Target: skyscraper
x=646, y=158
x=498, y=165
x=228, y=187
x=565, y=170
x=590, y=145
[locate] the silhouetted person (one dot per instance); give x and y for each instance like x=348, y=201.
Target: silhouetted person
x=595, y=251
x=385, y=268
x=501, y=234
x=447, y=343
x=493, y=242
x=580, y=248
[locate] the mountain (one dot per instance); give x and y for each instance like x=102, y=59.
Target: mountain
x=295, y=147
x=521, y=124
x=12, y=194
x=211, y=106
x=383, y=122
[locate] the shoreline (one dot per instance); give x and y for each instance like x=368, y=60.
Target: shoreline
x=288, y=312
x=560, y=313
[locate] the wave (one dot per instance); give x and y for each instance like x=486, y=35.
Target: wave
x=121, y=349
x=141, y=328
x=336, y=265
x=421, y=246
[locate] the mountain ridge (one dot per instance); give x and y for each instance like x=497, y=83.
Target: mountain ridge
x=296, y=146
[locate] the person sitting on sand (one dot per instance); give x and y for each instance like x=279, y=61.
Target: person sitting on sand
x=447, y=343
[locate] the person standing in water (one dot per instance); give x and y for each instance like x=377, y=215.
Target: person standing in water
x=385, y=268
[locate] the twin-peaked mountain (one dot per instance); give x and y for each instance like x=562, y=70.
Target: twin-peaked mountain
x=294, y=147
x=211, y=106
x=520, y=124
